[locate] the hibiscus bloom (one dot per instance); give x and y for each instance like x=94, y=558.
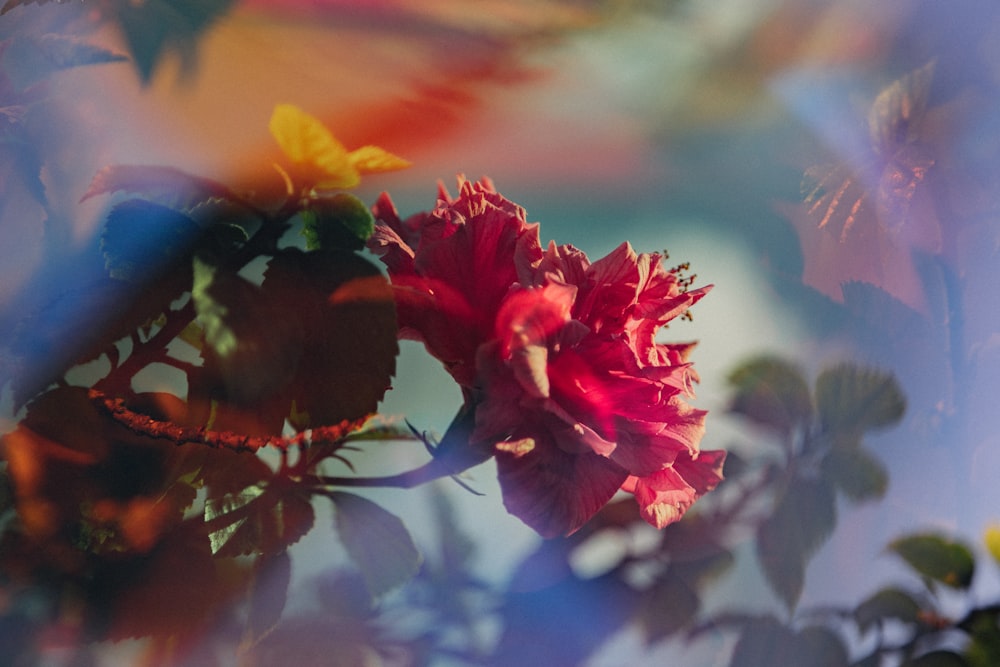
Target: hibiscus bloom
x=571, y=390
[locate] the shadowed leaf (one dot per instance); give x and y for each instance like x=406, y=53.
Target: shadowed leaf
x=802, y=520
x=936, y=558
x=376, y=541
x=772, y=392
x=852, y=400
x=345, y=310
x=141, y=239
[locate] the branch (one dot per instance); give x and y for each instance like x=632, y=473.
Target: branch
x=144, y=425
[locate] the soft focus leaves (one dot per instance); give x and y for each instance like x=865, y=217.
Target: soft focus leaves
x=983, y=625
x=884, y=604
x=851, y=399
x=804, y=516
x=155, y=27
x=766, y=642
x=376, y=541
x=936, y=558
x=855, y=473
x=772, y=392
x=28, y=59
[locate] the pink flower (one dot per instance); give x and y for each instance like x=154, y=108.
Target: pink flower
x=571, y=389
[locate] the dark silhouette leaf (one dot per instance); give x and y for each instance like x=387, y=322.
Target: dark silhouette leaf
x=855, y=473
x=268, y=593
x=772, y=392
x=142, y=239
x=937, y=558
x=803, y=518
x=376, y=541
x=852, y=400
x=886, y=603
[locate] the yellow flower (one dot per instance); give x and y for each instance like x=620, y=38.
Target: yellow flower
x=307, y=142
x=992, y=540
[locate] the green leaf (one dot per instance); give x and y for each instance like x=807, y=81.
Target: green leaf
x=668, y=607
x=803, y=518
x=886, y=603
x=937, y=558
x=341, y=221
x=852, y=400
x=771, y=392
x=937, y=659
x=142, y=239
x=983, y=625
x=29, y=59
x=376, y=541
x=855, y=473
x=257, y=520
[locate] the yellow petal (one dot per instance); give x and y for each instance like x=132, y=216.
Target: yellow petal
x=992, y=540
x=305, y=140
x=372, y=160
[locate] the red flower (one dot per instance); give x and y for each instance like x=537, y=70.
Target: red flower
x=572, y=391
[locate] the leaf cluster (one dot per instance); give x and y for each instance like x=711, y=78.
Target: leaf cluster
x=151, y=509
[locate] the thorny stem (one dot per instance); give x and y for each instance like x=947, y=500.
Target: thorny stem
x=145, y=425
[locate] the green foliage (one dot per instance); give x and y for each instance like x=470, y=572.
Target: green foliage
x=772, y=392
x=937, y=558
x=156, y=27
x=339, y=222
x=376, y=541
